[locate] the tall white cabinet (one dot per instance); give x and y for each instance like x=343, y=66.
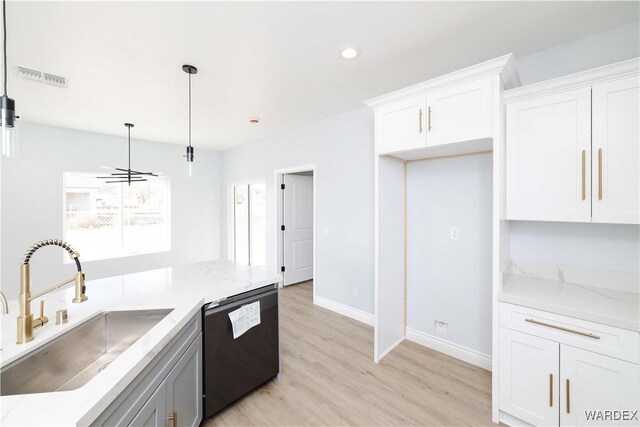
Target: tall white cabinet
x=453, y=115
x=568, y=347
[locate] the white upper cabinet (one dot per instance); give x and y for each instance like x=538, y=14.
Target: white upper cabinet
x=548, y=157
x=573, y=147
x=616, y=151
x=460, y=112
x=448, y=115
x=401, y=125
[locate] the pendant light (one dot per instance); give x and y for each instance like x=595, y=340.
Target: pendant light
x=10, y=123
x=127, y=175
x=189, y=69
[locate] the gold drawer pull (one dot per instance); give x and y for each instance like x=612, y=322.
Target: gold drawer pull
x=551, y=390
x=573, y=331
x=420, y=121
x=429, y=119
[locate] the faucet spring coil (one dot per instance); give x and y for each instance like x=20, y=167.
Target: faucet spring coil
x=49, y=242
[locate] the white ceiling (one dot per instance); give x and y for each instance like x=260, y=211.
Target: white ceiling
x=278, y=61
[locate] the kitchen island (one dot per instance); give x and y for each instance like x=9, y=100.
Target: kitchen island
x=184, y=290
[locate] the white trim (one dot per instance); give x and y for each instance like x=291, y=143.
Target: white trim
x=345, y=310
x=447, y=347
x=615, y=71
x=278, y=173
x=502, y=65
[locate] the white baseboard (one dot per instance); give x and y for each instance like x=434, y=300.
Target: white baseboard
x=345, y=310
x=447, y=347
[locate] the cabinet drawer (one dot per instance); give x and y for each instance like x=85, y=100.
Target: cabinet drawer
x=608, y=340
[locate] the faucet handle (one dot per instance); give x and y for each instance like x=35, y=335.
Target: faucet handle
x=40, y=321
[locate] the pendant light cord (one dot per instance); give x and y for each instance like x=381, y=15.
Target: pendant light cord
x=189, y=109
x=4, y=26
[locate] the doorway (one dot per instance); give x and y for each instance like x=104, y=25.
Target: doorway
x=296, y=242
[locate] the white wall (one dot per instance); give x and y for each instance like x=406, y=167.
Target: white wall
x=341, y=147
x=615, y=45
x=450, y=280
x=32, y=197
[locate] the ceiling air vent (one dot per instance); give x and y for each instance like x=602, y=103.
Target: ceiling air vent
x=42, y=77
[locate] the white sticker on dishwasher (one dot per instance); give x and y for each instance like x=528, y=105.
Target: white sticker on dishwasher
x=245, y=318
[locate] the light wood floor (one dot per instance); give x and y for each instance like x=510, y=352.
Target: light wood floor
x=329, y=378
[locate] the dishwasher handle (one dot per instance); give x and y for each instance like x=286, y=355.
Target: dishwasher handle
x=231, y=303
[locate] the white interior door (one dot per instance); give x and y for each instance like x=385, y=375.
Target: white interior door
x=298, y=228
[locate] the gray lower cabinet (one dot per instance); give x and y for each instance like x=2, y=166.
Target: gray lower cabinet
x=168, y=392
x=178, y=399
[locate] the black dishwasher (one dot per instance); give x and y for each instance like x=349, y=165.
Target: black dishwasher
x=235, y=366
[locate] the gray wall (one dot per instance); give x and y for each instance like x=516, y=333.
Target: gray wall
x=607, y=47
x=32, y=197
x=341, y=147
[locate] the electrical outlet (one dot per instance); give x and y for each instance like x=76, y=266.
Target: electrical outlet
x=354, y=292
x=441, y=327
x=454, y=233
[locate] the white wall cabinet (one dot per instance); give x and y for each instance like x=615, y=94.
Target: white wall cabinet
x=548, y=157
x=616, y=150
x=461, y=112
x=573, y=148
x=401, y=125
x=549, y=380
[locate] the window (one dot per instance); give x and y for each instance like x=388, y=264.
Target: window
x=114, y=220
x=249, y=224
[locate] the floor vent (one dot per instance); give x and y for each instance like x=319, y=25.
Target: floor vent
x=42, y=77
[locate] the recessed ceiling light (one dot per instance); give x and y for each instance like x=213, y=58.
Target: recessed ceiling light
x=349, y=52
x=254, y=120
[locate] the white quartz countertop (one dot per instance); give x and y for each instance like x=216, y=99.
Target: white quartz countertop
x=601, y=305
x=184, y=289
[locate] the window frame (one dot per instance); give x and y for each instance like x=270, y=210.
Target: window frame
x=232, y=223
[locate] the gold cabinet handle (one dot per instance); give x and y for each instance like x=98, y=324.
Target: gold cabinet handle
x=599, y=173
x=429, y=119
x=573, y=331
x=174, y=418
x=584, y=174
x=420, y=121
x=551, y=390
x=568, y=398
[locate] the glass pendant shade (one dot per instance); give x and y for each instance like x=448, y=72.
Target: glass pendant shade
x=10, y=128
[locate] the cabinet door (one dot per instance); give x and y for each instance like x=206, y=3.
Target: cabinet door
x=152, y=413
x=459, y=113
x=592, y=383
x=401, y=125
x=616, y=151
x=184, y=387
x=529, y=377
x=548, y=157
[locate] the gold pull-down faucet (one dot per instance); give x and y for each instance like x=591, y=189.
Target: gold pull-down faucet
x=26, y=322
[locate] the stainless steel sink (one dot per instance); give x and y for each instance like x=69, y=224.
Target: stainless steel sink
x=75, y=357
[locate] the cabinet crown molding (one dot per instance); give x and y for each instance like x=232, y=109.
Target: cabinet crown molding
x=503, y=65
x=602, y=74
